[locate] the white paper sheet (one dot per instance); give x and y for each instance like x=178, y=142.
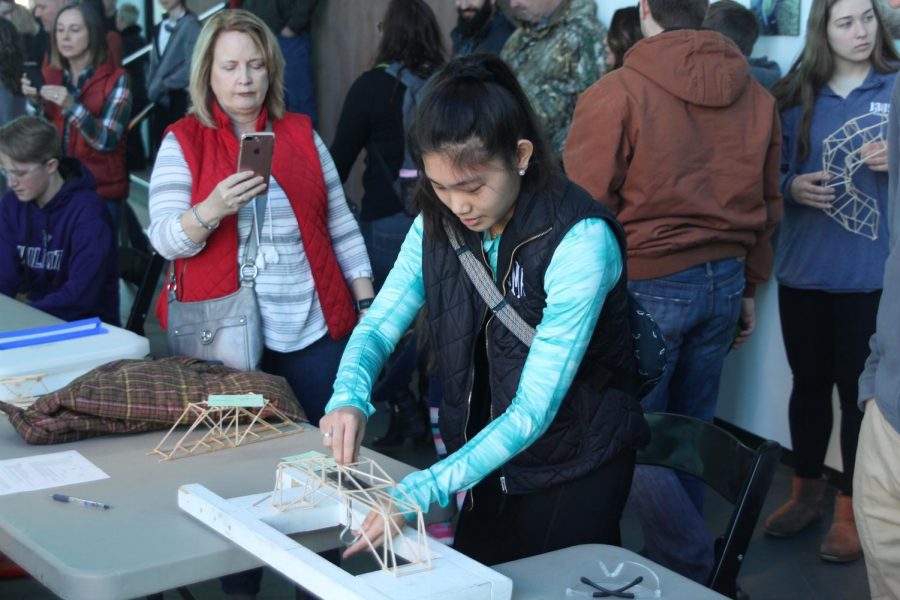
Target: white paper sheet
x=45, y=471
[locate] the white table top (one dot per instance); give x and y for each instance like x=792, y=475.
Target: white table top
x=547, y=576
x=62, y=361
x=144, y=543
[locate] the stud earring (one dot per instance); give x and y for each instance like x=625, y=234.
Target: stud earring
x=521, y=172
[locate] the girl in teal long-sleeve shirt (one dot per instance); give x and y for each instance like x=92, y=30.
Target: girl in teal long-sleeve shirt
x=546, y=446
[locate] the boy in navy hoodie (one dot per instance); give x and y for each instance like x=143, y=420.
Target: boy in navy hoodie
x=57, y=250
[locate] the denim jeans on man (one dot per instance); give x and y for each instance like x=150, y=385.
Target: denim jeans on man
x=383, y=239
x=697, y=310
x=300, y=95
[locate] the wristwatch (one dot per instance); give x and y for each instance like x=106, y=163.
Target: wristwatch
x=361, y=305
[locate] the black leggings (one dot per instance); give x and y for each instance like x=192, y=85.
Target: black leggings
x=826, y=337
x=497, y=528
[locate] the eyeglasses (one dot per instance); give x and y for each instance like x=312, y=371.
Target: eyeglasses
x=20, y=173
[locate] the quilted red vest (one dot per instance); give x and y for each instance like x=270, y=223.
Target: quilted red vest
x=211, y=155
x=109, y=168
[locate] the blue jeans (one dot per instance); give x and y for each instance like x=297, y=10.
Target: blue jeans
x=310, y=372
x=383, y=238
x=698, y=310
x=298, y=82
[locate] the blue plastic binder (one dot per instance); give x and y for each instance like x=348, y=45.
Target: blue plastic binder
x=51, y=333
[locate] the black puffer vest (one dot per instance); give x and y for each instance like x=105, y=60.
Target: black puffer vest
x=600, y=415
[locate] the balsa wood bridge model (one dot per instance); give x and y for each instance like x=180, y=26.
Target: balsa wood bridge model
x=312, y=493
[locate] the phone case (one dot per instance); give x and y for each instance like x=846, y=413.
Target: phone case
x=256, y=153
x=33, y=72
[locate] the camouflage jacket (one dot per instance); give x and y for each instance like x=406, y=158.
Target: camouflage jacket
x=557, y=59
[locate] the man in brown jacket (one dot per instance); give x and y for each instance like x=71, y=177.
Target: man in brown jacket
x=684, y=146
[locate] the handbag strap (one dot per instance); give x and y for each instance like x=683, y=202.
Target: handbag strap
x=247, y=271
x=487, y=289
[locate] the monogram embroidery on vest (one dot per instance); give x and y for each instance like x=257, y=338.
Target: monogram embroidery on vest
x=516, y=281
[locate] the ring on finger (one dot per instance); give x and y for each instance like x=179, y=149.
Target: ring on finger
x=327, y=434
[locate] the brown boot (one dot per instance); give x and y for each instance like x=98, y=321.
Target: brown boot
x=802, y=510
x=841, y=543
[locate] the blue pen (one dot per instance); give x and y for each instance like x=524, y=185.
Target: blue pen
x=87, y=503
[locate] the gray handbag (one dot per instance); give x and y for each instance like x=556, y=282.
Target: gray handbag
x=226, y=329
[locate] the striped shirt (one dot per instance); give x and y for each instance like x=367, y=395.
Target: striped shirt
x=291, y=313
x=102, y=131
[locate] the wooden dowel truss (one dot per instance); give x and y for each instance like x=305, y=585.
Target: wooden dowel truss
x=214, y=428
x=361, y=487
x=23, y=390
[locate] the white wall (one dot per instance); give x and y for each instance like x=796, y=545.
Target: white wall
x=756, y=381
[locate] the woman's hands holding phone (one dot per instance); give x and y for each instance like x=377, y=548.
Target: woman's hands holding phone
x=29, y=91
x=231, y=195
x=57, y=94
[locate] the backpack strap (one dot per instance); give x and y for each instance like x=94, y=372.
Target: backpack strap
x=414, y=85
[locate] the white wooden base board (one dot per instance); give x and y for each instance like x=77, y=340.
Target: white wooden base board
x=258, y=527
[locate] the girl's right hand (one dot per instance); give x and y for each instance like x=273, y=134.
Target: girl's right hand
x=808, y=189
x=232, y=194
x=29, y=91
x=342, y=431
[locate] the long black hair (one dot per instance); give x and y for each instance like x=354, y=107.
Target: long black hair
x=12, y=55
x=475, y=111
x=624, y=32
x=410, y=35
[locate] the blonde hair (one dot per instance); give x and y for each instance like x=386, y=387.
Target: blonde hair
x=201, y=62
x=24, y=20
x=129, y=14
x=30, y=139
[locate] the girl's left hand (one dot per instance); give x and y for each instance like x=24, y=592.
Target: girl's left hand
x=57, y=94
x=875, y=155
x=373, y=527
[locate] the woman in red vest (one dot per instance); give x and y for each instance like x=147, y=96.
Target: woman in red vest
x=88, y=98
x=313, y=269
x=313, y=275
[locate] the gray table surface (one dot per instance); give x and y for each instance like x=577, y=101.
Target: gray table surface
x=547, y=576
x=144, y=543
x=18, y=315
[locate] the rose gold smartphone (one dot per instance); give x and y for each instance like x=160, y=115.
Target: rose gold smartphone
x=256, y=153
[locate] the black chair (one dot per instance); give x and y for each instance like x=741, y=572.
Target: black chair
x=141, y=269
x=740, y=474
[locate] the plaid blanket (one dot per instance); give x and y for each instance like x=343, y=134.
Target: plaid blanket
x=130, y=396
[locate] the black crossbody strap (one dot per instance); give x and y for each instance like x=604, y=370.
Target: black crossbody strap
x=484, y=283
